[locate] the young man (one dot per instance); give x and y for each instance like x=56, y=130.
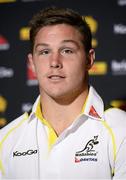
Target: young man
x=67, y=135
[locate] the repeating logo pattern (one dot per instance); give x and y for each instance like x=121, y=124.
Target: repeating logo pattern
x=109, y=39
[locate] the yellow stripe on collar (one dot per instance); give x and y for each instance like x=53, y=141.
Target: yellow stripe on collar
x=52, y=136
x=84, y=105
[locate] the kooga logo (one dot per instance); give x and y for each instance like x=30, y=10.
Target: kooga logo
x=29, y=152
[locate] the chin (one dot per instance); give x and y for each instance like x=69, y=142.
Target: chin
x=57, y=96
x=64, y=98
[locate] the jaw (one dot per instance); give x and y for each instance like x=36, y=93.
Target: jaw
x=62, y=95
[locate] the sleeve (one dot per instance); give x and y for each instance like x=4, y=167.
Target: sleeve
x=120, y=163
x=1, y=167
x=0, y=175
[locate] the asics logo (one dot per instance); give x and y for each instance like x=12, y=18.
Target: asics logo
x=28, y=152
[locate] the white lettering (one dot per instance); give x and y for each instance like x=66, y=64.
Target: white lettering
x=118, y=67
x=4, y=47
x=119, y=29
x=26, y=107
x=32, y=82
x=122, y=2
x=6, y=72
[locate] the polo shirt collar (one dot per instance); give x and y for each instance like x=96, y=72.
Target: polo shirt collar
x=94, y=107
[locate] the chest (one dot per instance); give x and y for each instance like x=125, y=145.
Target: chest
x=80, y=152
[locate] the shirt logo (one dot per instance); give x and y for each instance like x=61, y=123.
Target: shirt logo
x=28, y=152
x=93, y=112
x=88, y=153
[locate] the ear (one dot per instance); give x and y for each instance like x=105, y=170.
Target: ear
x=90, y=58
x=31, y=63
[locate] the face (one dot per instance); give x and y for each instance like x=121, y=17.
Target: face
x=60, y=62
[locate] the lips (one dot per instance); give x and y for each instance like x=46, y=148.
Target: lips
x=56, y=77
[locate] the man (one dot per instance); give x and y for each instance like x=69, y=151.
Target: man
x=67, y=135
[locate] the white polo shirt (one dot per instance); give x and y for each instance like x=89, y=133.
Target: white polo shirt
x=94, y=146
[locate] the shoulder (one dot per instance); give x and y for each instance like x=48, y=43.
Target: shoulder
x=116, y=121
x=17, y=123
x=115, y=117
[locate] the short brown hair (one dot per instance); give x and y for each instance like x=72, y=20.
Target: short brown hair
x=53, y=16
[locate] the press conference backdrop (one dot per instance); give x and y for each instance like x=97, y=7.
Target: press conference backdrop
x=18, y=86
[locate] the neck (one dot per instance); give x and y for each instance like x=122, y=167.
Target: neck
x=61, y=115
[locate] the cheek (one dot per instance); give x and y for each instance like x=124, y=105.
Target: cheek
x=79, y=75
x=40, y=68
x=77, y=69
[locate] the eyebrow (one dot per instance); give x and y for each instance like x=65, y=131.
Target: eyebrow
x=41, y=44
x=71, y=41
x=64, y=41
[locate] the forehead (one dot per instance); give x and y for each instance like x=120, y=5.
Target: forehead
x=58, y=32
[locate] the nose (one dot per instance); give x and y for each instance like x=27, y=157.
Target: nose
x=55, y=61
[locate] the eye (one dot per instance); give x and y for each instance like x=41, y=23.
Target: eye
x=44, y=52
x=67, y=51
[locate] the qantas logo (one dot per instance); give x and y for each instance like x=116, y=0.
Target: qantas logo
x=93, y=112
x=25, y=153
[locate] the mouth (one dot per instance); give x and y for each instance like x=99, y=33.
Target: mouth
x=56, y=77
